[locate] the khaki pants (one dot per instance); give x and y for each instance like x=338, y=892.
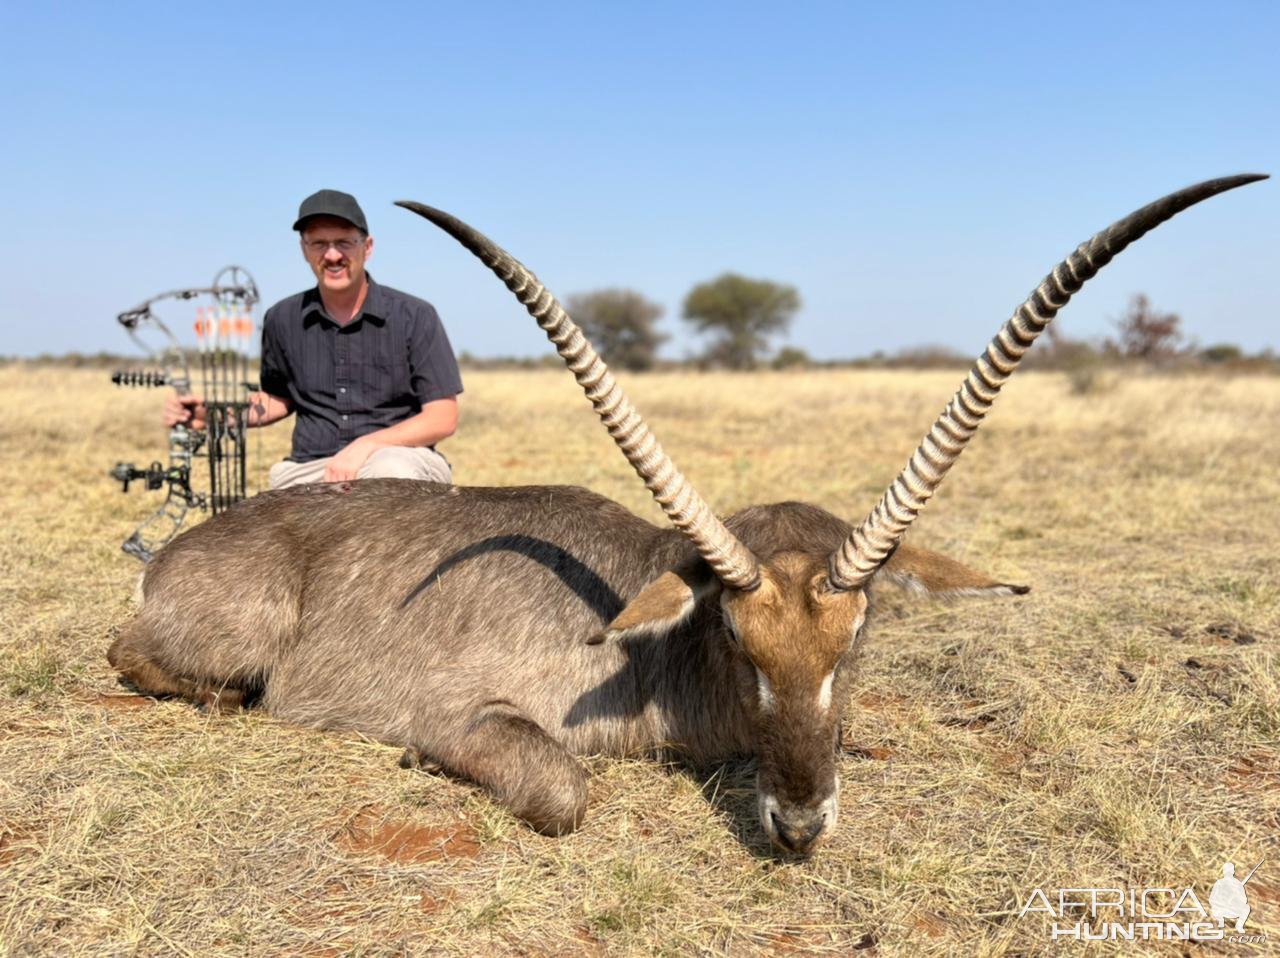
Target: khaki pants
x=390, y=462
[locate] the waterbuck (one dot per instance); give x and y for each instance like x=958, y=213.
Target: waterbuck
x=500, y=632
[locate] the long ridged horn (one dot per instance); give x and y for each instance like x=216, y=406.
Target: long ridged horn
x=875, y=538
x=732, y=562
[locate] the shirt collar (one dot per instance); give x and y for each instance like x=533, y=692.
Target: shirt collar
x=374, y=309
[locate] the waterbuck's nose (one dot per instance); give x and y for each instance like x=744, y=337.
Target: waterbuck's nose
x=799, y=833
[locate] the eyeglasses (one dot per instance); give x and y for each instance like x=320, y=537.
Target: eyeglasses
x=320, y=247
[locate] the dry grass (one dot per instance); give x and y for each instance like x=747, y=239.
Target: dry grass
x=1117, y=726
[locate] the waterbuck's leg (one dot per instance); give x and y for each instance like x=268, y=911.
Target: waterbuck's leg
x=501, y=749
x=136, y=667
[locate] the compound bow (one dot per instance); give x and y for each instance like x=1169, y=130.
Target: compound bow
x=223, y=333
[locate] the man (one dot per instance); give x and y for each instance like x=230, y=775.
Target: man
x=368, y=369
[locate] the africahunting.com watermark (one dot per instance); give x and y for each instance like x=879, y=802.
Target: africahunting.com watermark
x=1148, y=914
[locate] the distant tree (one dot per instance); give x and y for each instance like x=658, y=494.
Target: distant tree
x=619, y=323
x=1222, y=353
x=1147, y=334
x=742, y=313
x=790, y=357
x=930, y=356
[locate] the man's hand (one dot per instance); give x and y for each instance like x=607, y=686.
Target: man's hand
x=186, y=411
x=436, y=421
x=349, y=459
x=262, y=410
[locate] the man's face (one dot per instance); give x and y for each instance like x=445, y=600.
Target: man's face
x=336, y=251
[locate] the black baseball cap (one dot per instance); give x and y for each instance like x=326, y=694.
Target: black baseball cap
x=331, y=203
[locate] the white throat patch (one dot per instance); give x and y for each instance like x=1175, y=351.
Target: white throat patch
x=824, y=693
x=765, y=688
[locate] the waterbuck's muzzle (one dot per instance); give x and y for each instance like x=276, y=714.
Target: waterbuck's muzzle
x=798, y=782
x=797, y=827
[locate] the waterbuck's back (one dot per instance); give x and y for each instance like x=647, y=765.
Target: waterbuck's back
x=382, y=606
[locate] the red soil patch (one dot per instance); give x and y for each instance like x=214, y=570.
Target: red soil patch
x=369, y=831
x=1256, y=769
x=12, y=842
x=876, y=753
x=931, y=925
x=796, y=941
x=976, y=714
x=850, y=747
x=591, y=945
x=120, y=702
x=1008, y=761
x=1260, y=892
x=429, y=904
x=881, y=702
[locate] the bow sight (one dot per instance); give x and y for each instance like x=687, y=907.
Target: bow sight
x=224, y=330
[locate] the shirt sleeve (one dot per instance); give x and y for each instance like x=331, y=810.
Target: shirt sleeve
x=433, y=369
x=274, y=376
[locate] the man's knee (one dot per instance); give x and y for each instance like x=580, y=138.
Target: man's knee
x=285, y=474
x=404, y=462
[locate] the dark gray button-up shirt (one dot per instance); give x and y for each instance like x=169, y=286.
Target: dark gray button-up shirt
x=346, y=381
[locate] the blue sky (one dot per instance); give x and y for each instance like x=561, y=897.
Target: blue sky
x=913, y=169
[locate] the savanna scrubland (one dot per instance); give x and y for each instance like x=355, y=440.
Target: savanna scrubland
x=1117, y=727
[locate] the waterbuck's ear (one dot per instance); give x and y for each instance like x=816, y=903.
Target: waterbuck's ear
x=919, y=570
x=663, y=604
